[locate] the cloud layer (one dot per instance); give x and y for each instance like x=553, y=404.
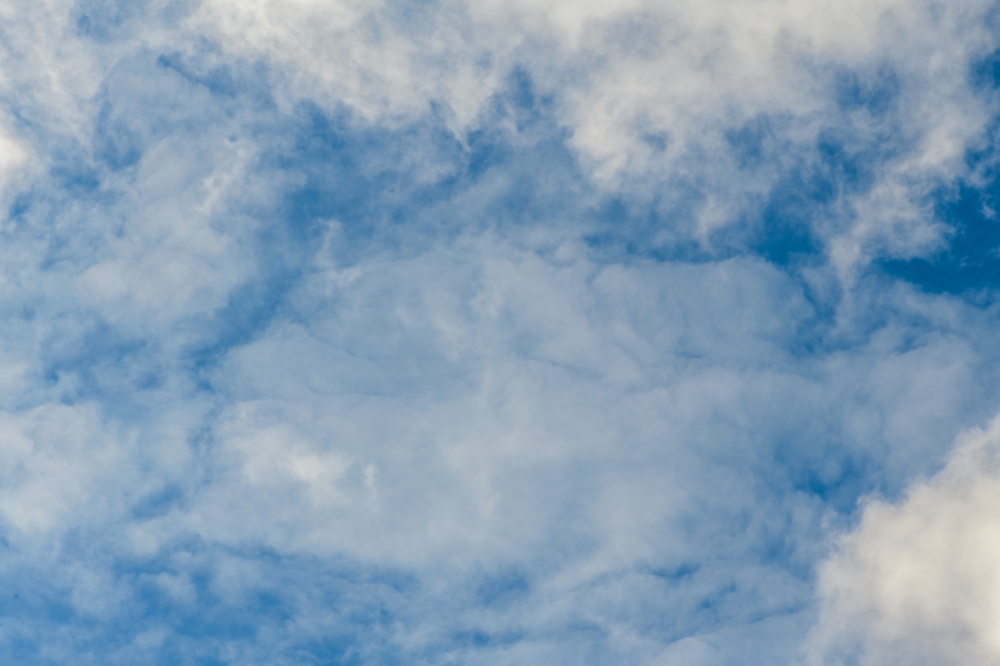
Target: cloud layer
x=492, y=333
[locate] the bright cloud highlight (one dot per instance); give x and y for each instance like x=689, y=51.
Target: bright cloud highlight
x=916, y=582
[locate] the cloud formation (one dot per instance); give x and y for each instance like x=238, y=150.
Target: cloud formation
x=916, y=581
x=706, y=109
x=484, y=333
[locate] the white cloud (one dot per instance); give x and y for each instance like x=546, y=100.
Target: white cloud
x=917, y=582
x=57, y=462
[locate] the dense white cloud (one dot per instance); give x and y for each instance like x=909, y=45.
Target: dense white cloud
x=916, y=582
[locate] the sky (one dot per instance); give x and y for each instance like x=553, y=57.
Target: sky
x=555, y=332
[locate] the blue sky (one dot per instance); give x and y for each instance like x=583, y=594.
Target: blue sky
x=534, y=332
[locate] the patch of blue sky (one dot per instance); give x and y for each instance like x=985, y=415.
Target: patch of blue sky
x=967, y=263
x=404, y=190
